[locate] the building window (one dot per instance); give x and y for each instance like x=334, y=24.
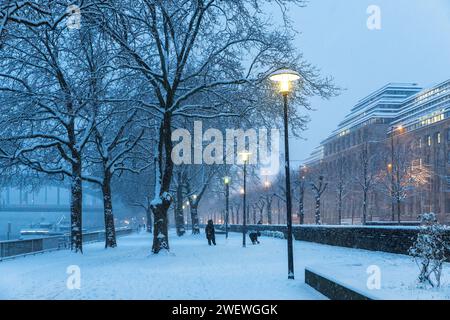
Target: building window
x=448, y=135
x=438, y=137
x=429, y=141
x=420, y=142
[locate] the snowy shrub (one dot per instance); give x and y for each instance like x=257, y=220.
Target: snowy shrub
x=273, y=234
x=429, y=250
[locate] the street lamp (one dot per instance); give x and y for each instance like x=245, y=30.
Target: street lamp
x=285, y=78
x=245, y=157
x=226, y=181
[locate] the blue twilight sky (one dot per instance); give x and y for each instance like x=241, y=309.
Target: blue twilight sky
x=413, y=45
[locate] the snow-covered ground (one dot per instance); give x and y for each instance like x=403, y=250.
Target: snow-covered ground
x=193, y=270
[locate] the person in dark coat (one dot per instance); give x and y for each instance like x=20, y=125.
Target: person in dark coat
x=210, y=233
x=253, y=235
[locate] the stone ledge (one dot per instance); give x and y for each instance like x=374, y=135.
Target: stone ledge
x=332, y=289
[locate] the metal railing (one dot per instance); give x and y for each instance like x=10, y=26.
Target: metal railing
x=17, y=248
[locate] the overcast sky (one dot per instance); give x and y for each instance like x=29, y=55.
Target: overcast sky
x=413, y=45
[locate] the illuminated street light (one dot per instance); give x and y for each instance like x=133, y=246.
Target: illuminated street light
x=285, y=79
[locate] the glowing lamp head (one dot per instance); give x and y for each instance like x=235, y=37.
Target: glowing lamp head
x=245, y=156
x=285, y=78
x=242, y=191
x=226, y=180
x=267, y=184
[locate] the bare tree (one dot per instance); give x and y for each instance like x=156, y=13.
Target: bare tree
x=318, y=190
x=300, y=184
x=260, y=205
x=192, y=60
x=196, y=184
x=406, y=176
x=44, y=73
x=342, y=185
x=366, y=176
x=179, y=183
x=114, y=141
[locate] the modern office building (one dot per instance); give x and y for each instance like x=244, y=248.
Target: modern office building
x=392, y=149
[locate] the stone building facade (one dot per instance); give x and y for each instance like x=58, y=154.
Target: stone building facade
x=392, y=149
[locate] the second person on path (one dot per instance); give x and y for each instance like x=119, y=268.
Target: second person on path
x=210, y=233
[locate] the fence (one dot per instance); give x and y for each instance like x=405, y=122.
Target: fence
x=14, y=248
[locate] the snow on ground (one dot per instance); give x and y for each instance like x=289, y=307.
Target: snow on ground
x=398, y=274
x=193, y=270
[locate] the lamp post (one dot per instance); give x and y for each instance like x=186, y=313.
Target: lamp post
x=245, y=157
x=284, y=78
x=226, y=181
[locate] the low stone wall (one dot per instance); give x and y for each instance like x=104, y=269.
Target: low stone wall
x=15, y=248
x=332, y=289
x=387, y=239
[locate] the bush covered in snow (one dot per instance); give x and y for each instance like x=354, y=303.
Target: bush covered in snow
x=273, y=234
x=429, y=250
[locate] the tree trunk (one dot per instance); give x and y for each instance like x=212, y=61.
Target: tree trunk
x=269, y=211
x=301, y=209
x=162, y=201
x=179, y=216
x=318, y=218
x=340, y=207
x=110, y=230
x=365, y=208
x=179, y=221
x=76, y=207
x=194, y=218
x=160, y=225
x=149, y=220
x=279, y=212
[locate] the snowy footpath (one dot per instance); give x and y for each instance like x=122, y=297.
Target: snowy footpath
x=193, y=270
